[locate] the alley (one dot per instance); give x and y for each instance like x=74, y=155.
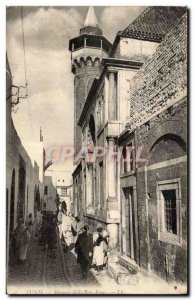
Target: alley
x=42, y=272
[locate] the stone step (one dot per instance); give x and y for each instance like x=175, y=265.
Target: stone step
x=121, y=275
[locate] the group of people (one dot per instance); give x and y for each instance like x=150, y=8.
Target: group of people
x=89, y=248
x=20, y=239
x=92, y=249
x=47, y=233
x=43, y=227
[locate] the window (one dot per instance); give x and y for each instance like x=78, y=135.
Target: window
x=46, y=190
x=63, y=191
x=170, y=210
x=127, y=158
x=44, y=205
x=169, y=206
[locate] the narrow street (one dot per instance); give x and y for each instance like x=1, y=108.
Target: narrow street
x=96, y=150
x=42, y=272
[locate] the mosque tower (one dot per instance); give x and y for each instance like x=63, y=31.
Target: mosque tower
x=87, y=51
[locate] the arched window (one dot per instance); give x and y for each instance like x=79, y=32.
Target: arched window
x=92, y=128
x=167, y=147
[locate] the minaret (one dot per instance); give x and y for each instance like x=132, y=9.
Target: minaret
x=87, y=51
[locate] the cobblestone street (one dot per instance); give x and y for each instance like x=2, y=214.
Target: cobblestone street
x=41, y=272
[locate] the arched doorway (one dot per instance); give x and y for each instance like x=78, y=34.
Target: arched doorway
x=168, y=146
x=166, y=199
x=37, y=205
x=12, y=202
x=22, y=188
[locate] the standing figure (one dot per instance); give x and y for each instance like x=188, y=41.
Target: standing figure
x=84, y=250
x=59, y=218
x=100, y=242
x=66, y=229
x=77, y=227
x=38, y=222
x=20, y=241
x=52, y=236
x=105, y=236
x=29, y=223
x=44, y=231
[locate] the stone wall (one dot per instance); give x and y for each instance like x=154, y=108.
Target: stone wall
x=164, y=147
x=134, y=49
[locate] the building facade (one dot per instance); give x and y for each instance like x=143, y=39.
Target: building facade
x=49, y=198
x=23, y=182
x=65, y=193
x=154, y=192
x=87, y=52
x=24, y=187
x=137, y=111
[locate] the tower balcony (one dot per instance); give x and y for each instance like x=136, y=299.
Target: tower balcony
x=90, y=41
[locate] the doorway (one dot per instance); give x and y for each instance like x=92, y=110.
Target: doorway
x=22, y=189
x=130, y=218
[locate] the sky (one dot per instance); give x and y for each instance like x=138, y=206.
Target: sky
x=50, y=102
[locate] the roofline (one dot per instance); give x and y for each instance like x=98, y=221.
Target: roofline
x=115, y=43
x=145, y=36
x=106, y=62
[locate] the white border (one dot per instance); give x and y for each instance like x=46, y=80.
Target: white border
x=3, y=4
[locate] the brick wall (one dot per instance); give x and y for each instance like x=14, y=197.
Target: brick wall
x=159, y=117
x=163, y=78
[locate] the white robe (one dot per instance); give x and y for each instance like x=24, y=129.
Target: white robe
x=98, y=254
x=66, y=229
x=60, y=224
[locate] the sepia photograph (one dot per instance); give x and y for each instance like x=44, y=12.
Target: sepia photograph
x=97, y=150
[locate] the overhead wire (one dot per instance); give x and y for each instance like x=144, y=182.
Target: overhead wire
x=25, y=73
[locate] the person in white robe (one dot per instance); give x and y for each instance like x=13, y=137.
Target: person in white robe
x=38, y=222
x=100, y=243
x=21, y=239
x=59, y=219
x=66, y=229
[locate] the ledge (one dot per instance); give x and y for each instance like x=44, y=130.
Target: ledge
x=128, y=263
x=102, y=220
x=131, y=173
